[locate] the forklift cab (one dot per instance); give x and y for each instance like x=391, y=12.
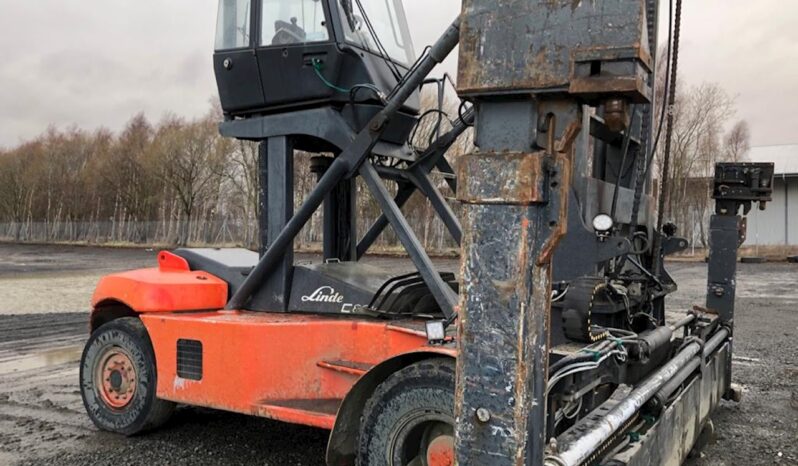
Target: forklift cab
x=279, y=56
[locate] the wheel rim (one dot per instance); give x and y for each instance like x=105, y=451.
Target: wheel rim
x=115, y=378
x=440, y=451
x=424, y=440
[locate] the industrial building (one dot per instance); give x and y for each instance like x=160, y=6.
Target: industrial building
x=778, y=225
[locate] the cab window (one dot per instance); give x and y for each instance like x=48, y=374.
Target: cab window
x=233, y=24
x=360, y=17
x=287, y=22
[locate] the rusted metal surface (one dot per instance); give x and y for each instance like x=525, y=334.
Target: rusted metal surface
x=520, y=45
x=634, y=88
x=509, y=237
x=528, y=65
x=560, y=183
x=616, y=114
x=520, y=183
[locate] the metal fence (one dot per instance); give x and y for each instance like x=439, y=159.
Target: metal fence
x=218, y=232
x=224, y=232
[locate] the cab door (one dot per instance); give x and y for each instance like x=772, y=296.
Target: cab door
x=235, y=62
x=295, y=38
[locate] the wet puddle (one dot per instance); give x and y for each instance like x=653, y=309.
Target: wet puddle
x=54, y=357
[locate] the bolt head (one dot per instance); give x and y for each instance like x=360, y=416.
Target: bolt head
x=483, y=415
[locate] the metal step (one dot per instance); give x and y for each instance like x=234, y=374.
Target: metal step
x=317, y=413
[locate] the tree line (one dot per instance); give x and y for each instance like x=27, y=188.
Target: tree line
x=171, y=182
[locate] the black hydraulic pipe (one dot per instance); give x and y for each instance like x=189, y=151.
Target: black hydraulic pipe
x=649, y=342
x=667, y=390
x=351, y=158
x=437, y=53
x=659, y=400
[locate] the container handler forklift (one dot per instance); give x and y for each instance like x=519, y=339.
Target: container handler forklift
x=553, y=346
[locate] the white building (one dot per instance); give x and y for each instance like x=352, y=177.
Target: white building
x=778, y=225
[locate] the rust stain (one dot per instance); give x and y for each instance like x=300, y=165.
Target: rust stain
x=517, y=182
x=564, y=152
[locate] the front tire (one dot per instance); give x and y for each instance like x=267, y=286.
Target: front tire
x=118, y=379
x=409, y=420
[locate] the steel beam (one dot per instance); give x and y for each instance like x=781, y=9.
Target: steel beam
x=276, y=163
x=528, y=66
x=443, y=294
x=724, y=239
x=515, y=202
x=433, y=157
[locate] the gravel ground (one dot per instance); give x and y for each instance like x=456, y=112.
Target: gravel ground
x=44, y=293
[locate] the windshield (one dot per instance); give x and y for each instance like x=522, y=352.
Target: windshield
x=293, y=22
x=232, y=27
x=387, y=21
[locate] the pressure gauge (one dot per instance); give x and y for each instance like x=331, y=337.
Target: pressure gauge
x=602, y=224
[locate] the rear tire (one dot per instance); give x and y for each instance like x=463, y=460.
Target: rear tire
x=409, y=420
x=118, y=379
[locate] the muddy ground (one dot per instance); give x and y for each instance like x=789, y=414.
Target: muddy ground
x=44, y=293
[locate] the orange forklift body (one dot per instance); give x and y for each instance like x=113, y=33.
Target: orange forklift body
x=289, y=367
x=292, y=368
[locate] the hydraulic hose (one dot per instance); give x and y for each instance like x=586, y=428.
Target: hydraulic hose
x=597, y=434
x=664, y=394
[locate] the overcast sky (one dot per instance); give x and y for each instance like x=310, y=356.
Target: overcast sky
x=96, y=62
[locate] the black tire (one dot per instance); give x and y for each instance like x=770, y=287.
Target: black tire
x=401, y=415
x=143, y=411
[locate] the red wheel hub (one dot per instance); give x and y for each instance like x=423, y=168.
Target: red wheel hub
x=115, y=378
x=440, y=451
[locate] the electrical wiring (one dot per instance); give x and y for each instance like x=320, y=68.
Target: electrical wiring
x=413, y=133
x=559, y=296
x=575, y=411
x=318, y=66
x=413, y=69
x=581, y=367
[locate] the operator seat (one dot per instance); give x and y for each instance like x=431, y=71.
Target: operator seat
x=288, y=33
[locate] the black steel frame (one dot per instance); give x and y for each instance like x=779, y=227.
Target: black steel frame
x=281, y=227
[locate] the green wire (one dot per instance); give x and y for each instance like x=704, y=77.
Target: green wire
x=596, y=354
x=318, y=66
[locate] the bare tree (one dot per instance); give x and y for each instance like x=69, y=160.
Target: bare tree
x=240, y=172
x=190, y=157
x=699, y=115
x=18, y=184
x=738, y=142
